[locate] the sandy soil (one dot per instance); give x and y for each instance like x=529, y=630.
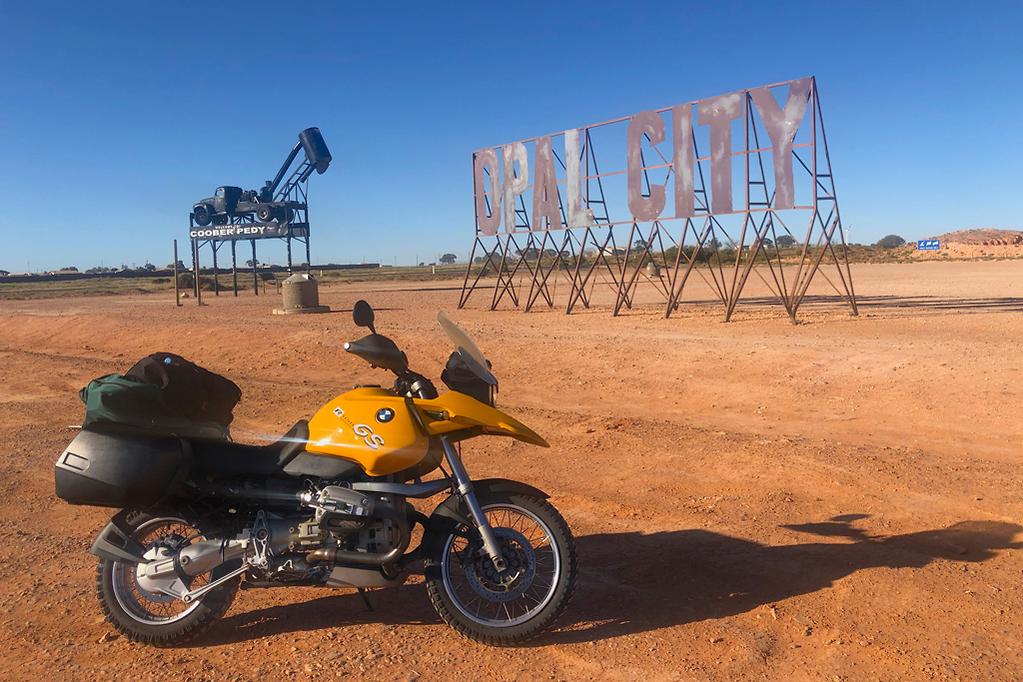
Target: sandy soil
x=836, y=500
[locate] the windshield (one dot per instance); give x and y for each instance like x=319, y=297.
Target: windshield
x=468, y=350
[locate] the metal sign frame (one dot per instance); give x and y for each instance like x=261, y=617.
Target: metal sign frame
x=590, y=244
x=247, y=228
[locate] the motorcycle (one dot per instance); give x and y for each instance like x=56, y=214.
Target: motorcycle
x=328, y=505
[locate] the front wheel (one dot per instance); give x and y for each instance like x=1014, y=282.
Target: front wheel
x=508, y=607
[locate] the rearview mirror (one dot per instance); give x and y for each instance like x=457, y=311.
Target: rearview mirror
x=362, y=315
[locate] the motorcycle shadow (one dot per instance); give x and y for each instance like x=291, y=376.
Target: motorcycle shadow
x=328, y=608
x=632, y=582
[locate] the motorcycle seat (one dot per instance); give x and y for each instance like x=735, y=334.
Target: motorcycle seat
x=219, y=458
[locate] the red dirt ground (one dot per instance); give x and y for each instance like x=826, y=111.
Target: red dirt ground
x=836, y=500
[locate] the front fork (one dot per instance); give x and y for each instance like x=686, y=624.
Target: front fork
x=464, y=486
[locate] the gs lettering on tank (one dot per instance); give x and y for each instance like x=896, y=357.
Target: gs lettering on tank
x=371, y=427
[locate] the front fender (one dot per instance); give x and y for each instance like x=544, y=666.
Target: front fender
x=451, y=514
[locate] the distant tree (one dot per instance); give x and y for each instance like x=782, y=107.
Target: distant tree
x=890, y=241
x=479, y=259
x=448, y=258
x=149, y=267
x=530, y=253
x=785, y=241
x=70, y=268
x=251, y=263
x=768, y=242
x=181, y=266
x=639, y=245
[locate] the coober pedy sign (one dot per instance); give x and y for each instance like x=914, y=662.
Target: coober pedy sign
x=551, y=205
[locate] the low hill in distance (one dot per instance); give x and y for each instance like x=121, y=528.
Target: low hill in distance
x=983, y=236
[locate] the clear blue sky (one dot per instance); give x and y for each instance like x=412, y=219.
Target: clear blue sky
x=116, y=117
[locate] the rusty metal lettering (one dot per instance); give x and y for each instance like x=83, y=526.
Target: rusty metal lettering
x=643, y=208
x=718, y=113
x=578, y=215
x=545, y=188
x=516, y=180
x=484, y=162
x=605, y=234
x=782, y=126
x=683, y=159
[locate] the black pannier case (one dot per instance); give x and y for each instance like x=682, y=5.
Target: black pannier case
x=109, y=466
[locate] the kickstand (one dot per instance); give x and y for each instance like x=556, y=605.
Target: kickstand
x=365, y=598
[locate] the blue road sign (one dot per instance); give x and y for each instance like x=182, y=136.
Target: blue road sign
x=928, y=245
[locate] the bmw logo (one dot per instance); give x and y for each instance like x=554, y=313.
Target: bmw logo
x=385, y=414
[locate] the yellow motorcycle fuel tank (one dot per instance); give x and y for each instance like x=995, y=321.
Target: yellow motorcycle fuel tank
x=371, y=427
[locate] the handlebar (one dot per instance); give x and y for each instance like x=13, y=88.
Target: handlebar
x=380, y=351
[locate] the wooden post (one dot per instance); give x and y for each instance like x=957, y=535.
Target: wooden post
x=216, y=282
x=234, y=267
x=255, y=275
x=195, y=271
x=177, y=293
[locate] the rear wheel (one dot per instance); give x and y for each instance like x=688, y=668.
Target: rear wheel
x=155, y=618
x=508, y=607
x=265, y=214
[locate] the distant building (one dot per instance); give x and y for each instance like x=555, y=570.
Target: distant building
x=4, y=273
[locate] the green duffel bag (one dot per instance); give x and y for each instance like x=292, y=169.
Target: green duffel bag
x=126, y=401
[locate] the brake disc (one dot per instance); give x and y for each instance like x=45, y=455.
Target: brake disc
x=510, y=583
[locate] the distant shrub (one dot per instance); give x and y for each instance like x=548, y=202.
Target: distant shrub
x=186, y=281
x=890, y=241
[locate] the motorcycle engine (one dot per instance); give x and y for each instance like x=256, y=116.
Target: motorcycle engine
x=339, y=510
x=342, y=518
x=352, y=519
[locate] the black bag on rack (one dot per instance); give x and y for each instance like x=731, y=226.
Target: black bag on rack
x=188, y=390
